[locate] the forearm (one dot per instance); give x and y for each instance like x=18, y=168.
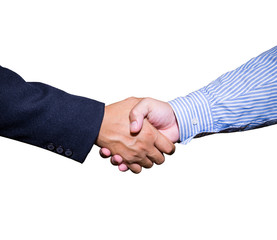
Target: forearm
x=242, y=99
x=47, y=117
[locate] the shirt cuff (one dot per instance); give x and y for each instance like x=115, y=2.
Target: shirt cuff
x=193, y=114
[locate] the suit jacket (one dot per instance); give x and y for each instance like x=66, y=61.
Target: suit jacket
x=44, y=116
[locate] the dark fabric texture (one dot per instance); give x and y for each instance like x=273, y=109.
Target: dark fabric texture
x=44, y=116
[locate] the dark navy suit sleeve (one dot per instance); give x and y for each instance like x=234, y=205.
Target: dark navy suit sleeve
x=44, y=116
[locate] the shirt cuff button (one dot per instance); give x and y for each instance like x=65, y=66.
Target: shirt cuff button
x=194, y=121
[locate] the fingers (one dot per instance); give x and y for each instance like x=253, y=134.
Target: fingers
x=164, y=145
x=146, y=163
x=135, y=168
x=150, y=153
x=105, y=153
x=116, y=160
x=123, y=167
x=156, y=156
x=137, y=115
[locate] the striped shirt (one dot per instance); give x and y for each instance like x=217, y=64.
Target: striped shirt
x=242, y=99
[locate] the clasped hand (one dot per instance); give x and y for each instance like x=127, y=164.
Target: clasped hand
x=137, y=132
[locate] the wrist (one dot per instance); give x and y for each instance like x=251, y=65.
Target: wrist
x=101, y=135
x=176, y=132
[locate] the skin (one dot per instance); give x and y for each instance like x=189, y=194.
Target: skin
x=159, y=114
x=136, y=150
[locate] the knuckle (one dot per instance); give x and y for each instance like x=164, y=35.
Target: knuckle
x=134, y=112
x=130, y=159
x=131, y=98
x=147, y=99
x=140, y=147
x=133, y=157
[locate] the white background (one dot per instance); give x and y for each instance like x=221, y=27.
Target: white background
x=217, y=187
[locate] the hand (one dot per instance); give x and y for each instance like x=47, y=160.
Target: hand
x=159, y=114
x=136, y=150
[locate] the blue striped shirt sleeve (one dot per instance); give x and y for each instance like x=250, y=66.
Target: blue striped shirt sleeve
x=239, y=100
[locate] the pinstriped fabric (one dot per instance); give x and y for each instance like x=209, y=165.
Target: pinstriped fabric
x=242, y=99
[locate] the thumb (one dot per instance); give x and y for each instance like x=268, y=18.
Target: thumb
x=137, y=115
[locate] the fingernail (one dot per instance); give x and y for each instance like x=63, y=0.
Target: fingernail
x=134, y=125
x=114, y=161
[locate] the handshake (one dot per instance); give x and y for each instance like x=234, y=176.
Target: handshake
x=137, y=132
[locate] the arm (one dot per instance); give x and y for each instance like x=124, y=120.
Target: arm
x=69, y=125
x=243, y=99
x=239, y=100
x=47, y=117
